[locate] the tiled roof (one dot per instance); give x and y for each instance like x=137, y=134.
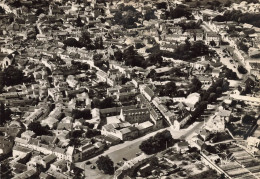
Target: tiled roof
x=135, y=111
x=59, y=150
x=149, y=91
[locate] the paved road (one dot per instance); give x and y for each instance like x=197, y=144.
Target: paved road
x=224, y=60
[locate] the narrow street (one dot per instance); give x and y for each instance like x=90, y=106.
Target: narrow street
x=226, y=60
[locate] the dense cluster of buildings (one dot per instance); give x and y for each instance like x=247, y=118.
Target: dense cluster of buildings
x=74, y=101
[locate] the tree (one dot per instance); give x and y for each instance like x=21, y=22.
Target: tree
x=2, y=11
x=157, y=143
x=161, y=5
x=71, y=42
x=198, y=3
x=118, y=17
x=218, y=90
x=212, y=97
x=97, y=57
x=105, y=164
x=74, y=142
x=12, y=76
x=152, y=74
x=2, y=81
x=179, y=12
x=247, y=119
x=79, y=22
x=170, y=88
x=155, y=58
x=95, y=103
x=85, y=40
x=228, y=3
x=154, y=161
x=77, y=133
x=242, y=47
x=242, y=69
x=90, y=125
x=195, y=85
x=214, y=4
x=229, y=74
x=225, y=85
x=5, y=114
x=99, y=43
x=132, y=58
x=92, y=132
x=199, y=109
x=38, y=129
x=118, y=55
x=16, y=4
x=212, y=43
x=39, y=11
x=85, y=114
x=149, y=15
x=107, y=103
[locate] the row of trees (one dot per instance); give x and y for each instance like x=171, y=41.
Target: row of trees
x=238, y=16
x=211, y=95
x=157, y=143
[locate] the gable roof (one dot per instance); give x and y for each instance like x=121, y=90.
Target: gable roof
x=149, y=91
x=224, y=113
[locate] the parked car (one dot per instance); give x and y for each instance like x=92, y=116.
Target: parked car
x=124, y=159
x=88, y=163
x=138, y=153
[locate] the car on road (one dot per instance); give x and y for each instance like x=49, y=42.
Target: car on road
x=226, y=55
x=138, y=153
x=120, y=163
x=124, y=159
x=88, y=163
